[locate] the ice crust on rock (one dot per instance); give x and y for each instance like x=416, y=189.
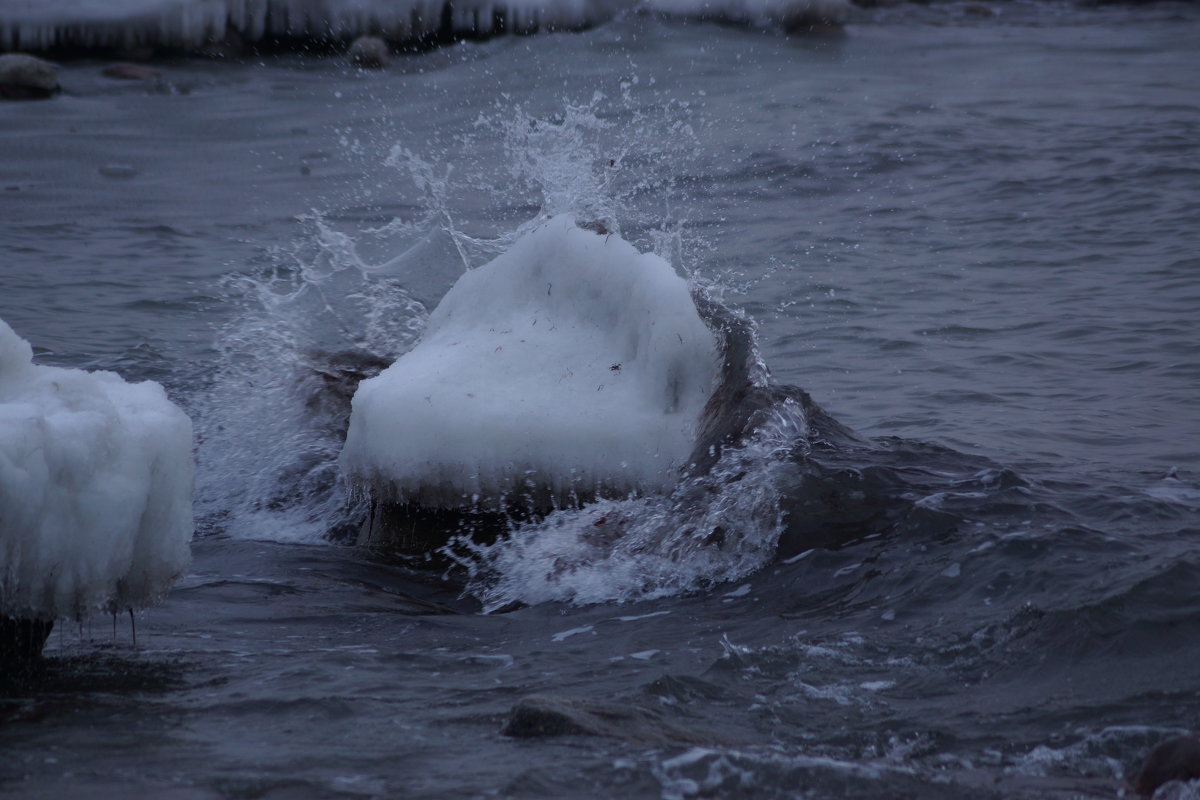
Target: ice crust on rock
x=189, y=24
x=569, y=366
x=96, y=482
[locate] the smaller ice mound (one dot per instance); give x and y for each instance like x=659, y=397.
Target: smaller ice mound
x=95, y=489
x=570, y=367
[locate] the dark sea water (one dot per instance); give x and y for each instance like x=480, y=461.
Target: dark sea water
x=973, y=240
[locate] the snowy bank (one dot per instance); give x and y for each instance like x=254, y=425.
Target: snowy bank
x=95, y=489
x=38, y=25
x=571, y=366
x=191, y=24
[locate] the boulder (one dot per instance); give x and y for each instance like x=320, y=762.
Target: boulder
x=126, y=71
x=1176, y=759
x=369, y=52
x=540, y=716
x=24, y=77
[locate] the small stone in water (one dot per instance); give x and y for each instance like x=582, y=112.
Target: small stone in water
x=118, y=171
x=123, y=70
x=23, y=77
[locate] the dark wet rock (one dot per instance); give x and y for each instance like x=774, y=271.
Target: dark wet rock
x=369, y=52
x=548, y=715
x=22, y=640
x=229, y=45
x=413, y=529
x=119, y=171
x=135, y=52
x=601, y=226
x=23, y=77
x=1176, y=759
x=334, y=376
x=978, y=10
x=817, y=17
x=743, y=401
x=126, y=71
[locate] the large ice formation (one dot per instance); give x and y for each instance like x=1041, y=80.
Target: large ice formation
x=95, y=488
x=570, y=366
x=189, y=24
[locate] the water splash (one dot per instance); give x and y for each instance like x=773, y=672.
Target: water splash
x=608, y=161
x=713, y=528
x=270, y=424
x=347, y=295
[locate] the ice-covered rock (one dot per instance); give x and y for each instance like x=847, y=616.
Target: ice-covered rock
x=95, y=489
x=570, y=366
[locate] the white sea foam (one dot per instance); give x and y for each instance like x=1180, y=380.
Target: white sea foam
x=270, y=428
x=710, y=529
x=95, y=488
x=570, y=365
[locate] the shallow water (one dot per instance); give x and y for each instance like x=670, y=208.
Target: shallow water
x=974, y=239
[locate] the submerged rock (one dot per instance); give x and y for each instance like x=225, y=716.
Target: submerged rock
x=1176, y=759
x=126, y=71
x=817, y=16
x=24, y=77
x=332, y=377
x=539, y=716
x=978, y=10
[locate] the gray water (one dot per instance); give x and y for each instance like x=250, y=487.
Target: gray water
x=972, y=239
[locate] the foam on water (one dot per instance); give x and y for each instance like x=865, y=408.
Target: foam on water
x=709, y=529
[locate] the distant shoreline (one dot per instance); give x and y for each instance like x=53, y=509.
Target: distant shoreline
x=144, y=29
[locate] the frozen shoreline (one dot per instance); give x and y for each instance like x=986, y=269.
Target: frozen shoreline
x=227, y=27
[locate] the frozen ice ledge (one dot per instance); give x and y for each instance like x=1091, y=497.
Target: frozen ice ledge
x=570, y=367
x=39, y=25
x=95, y=491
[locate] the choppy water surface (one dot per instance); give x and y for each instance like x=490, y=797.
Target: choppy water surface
x=973, y=240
